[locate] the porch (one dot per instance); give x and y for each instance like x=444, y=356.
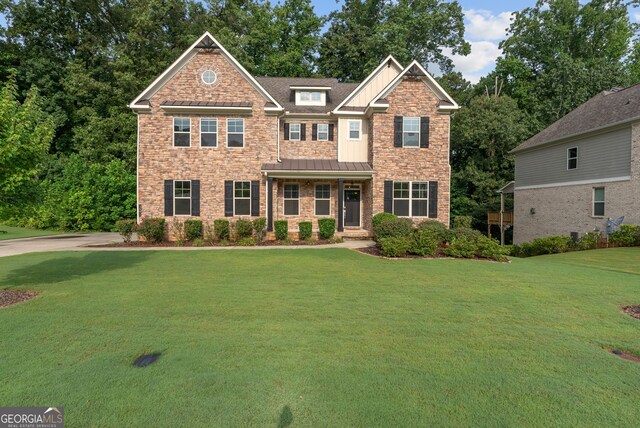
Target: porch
x=306, y=190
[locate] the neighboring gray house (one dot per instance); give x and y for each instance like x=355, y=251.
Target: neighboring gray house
x=581, y=170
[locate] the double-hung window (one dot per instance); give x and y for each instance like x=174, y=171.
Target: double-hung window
x=323, y=199
x=242, y=198
x=411, y=199
x=354, y=129
x=291, y=199
x=598, y=201
x=182, y=197
x=323, y=132
x=181, y=132
x=294, y=131
x=235, y=132
x=208, y=132
x=572, y=158
x=411, y=132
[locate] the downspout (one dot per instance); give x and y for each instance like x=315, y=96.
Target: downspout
x=278, y=135
x=138, y=170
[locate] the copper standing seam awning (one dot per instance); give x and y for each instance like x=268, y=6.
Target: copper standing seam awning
x=317, y=168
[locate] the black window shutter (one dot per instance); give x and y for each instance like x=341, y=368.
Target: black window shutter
x=228, y=198
x=314, y=132
x=397, y=131
x=286, y=131
x=433, y=199
x=303, y=132
x=255, y=198
x=424, y=132
x=168, y=197
x=388, y=196
x=195, y=198
x=331, y=132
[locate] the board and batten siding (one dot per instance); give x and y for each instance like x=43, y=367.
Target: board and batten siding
x=374, y=86
x=353, y=150
x=603, y=156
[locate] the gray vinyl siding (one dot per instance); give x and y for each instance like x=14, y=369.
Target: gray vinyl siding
x=601, y=156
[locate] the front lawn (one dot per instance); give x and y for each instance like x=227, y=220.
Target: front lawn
x=22, y=232
x=322, y=338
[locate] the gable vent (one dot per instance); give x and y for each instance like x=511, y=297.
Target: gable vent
x=207, y=43
x=414, y=71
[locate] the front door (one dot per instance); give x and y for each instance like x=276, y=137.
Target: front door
x=352, y=207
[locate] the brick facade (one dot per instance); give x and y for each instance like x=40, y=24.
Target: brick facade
x=159, y=160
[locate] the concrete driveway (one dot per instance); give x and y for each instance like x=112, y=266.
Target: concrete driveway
x=65, y=242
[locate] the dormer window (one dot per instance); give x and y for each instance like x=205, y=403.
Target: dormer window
x=310, y=96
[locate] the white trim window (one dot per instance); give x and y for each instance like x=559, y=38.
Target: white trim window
x=311, y=98
x=181, y=132
x=410, y=132
x=355, y=129
x=294, y=131
x=322, y=199
x=323, y=132
x=241, y=198
x=208, y=132
x=209, y=77
x=598, y=201
x=291, y=199
x=572, y=158
x=411, y=199
x=235, y=132
x=181, y=197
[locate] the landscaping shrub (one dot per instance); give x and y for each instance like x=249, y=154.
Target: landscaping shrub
x=221, y=229
x=125, y=228
x=627, y=236
x=463, y=246
x=259, y=227
x=177, y=231
x=540, y=246
x=327, y=227
x=491, y=249
x=152, y=229
x=588, y=241
x=436, y=230
x=423, y=243
x=462, y=222
x=281, y=228
x=209, y=234
x=198, y=242
x=247, y=241
x=244, y=229
x=394, y=228
x=379, y=218
x=193, y=229
x=305, y=230
x=394, y=246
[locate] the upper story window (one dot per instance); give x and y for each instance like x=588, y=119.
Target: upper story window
x=354, y=129
x=598, y=201
x=572, y=158
x=294, y=131
x=411, y=132
x=323, y=132
x=208, y=132
x=209, y=77
x=311, y=98
x=235, y=132
x=181, y=132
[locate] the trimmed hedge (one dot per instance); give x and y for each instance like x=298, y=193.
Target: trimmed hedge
x=244, y=229
x=193, y=229
x=627, y=236
x=394, y=246
x=394, y=228
x=259, y=227
x=305, y=230
x=423, y=243
x=436, y=230
x=221, y=229
x=281, y=228
x=379, y=219
x=540, y=246
x=327, y=227
x=126, y=228
x=152, y=229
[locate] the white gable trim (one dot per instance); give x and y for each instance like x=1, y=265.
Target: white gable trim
x=367, y=80
x=173, y=69
x=427, y=79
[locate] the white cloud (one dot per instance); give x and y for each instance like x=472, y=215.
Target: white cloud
x=636, y=16
x=484, y=25
x=479, y=62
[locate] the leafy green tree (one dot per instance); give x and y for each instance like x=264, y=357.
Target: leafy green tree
x=25, y=135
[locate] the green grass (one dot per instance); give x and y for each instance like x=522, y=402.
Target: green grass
x=322, y=338
x=22, y=232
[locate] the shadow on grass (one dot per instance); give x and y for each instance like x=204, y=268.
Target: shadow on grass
x=286, y=417
x=61, y=269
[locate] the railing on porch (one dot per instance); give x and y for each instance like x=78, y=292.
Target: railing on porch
x=500, y=219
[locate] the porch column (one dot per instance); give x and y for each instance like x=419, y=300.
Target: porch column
x=269, y=204
x=340, y=205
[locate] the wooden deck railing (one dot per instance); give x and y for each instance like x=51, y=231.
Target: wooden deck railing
x=493, y=217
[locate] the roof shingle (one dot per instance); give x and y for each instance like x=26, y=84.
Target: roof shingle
x=279, y=88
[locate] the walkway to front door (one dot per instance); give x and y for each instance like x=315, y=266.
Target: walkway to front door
x=352, y=207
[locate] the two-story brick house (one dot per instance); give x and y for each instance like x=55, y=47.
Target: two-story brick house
x=215, y=141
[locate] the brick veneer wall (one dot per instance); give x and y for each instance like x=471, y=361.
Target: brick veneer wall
x=308, y=149
x=411, y=98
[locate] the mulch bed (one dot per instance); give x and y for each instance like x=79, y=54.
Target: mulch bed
x=633, y=310
x=624, y=355
x=11, y=297
x=138, y=244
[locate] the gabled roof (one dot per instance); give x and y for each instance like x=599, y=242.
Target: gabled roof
x=415, y=69
x=607, y=109
x=280, y=88
x=206, y=41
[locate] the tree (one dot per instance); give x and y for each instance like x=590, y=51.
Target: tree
x=364, y=32
x=25, y=135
